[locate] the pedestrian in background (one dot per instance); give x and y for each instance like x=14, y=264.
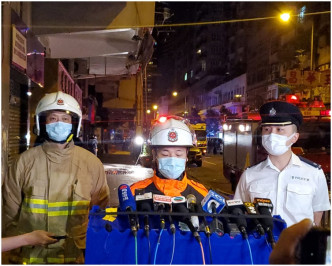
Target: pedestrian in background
x=296, y=186
x=93, y=144
x=52, y=187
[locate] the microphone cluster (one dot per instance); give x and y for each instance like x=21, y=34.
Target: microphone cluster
x=214, y=214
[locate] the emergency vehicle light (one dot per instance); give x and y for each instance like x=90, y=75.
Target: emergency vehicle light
x=226, y=127
x=325, y=113
x=162, y=119
x=244, y=127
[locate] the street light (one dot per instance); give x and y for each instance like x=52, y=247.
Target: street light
x=175, y=93
x=155, y=107
x=286, y=17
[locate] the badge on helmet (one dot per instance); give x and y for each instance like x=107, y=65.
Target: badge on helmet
x=172, y=135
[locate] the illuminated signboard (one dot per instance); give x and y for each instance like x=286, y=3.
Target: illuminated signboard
x=68, y=85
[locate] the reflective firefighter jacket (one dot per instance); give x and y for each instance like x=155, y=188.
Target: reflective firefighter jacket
x=170, y=187
x=51, y=189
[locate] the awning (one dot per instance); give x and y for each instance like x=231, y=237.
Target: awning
x=108, y=36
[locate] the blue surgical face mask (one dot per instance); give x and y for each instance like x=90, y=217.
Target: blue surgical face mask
x=58, y=131
x=171, y=167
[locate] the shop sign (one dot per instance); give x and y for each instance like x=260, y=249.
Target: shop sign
x=67, y=84
x=308, y=78
x=19, y=49
x=293, y=77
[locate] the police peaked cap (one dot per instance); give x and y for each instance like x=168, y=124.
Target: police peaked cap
x=279, y=113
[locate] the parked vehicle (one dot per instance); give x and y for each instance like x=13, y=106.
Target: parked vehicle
x=200, y=131
x=195, y=156
x=243, y=148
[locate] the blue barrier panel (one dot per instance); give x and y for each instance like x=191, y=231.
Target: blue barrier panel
x=117, y=245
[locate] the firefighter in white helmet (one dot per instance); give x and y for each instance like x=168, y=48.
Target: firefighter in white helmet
x=170, y=141
x=52, y=187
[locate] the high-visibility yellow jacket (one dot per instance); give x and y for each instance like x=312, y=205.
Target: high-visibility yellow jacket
x=52, y=189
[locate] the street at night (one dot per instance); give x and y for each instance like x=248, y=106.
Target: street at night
x=153, y=132
x=211, y=174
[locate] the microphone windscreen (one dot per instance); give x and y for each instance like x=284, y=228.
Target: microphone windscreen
x=213, y=197
x=126, y=198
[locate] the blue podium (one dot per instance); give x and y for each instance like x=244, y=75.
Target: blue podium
x=114, y=243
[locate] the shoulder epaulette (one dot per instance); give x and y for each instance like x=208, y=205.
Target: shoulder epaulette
x=316, y=165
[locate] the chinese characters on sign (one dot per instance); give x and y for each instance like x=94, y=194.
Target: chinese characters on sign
x=67, y=84
x=309, y=78
x=19, y=49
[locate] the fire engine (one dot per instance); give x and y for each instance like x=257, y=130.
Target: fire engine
x=242, y=139
x=200, y=131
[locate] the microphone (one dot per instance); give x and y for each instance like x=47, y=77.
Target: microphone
x=178, y=205
x=213, y=200
x=144, y=203
x=207, y=229
x=265, y=207
x=251, y=210
x=214, y=203
x=230, y=228
x=237, y=208
x=192, y=207
x=161, y=204
x=127, y=204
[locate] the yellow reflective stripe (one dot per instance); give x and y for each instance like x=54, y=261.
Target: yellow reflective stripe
x=56, y=208
x=34, y=210
x=33, y=260
x=49, y=260
x=68, y=203
x=60, y=260
x=71, y=212
x=35, y=201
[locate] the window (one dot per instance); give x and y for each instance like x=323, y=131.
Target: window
x=203, y=65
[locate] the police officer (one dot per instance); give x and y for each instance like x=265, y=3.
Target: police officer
x=51, y=187
x=171, y=139
x=296, y=186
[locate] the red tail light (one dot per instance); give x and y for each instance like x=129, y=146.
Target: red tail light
x=325, y=113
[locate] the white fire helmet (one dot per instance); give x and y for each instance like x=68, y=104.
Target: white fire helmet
x=58, y=101
x=172, y=131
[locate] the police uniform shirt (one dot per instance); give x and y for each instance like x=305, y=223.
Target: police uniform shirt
x=296, y=192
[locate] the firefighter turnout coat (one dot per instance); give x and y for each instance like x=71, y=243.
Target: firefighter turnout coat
x=51, y=189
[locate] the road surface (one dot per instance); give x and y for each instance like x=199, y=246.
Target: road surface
x=211, y=174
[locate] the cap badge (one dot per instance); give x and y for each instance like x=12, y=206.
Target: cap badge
x=59, y=102
x=273, y=112
x=172, y=135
